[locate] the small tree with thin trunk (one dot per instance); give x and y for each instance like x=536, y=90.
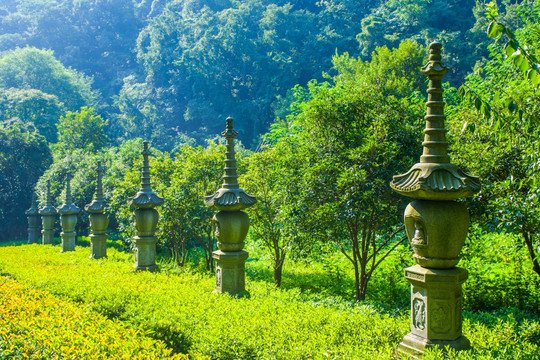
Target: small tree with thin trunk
x=273, y=177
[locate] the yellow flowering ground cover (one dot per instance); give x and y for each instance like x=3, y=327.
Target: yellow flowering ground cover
x=36, y=325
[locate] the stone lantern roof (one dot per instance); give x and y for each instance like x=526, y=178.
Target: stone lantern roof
x=434, y=177
x=48, y=209
x=230, y=197
x=145, y=197
x=33, y=207
x=98, y=204
x=68, y=207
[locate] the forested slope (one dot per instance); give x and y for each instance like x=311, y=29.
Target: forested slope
x=170, y=67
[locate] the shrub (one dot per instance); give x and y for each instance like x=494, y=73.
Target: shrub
x=34, y=324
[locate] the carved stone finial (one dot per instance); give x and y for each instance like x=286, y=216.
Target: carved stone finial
x=33, y=210
x=48, y=209
x=145, y=197
x=98, y=204
x=435, y=178
x=230, y=197
x=68, y=207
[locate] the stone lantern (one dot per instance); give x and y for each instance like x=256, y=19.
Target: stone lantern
x=68, y=219
x=436, y=226
x=146, y=219
x=230, y=224
x=48, y=217
x=98, y=219
x=33, y=221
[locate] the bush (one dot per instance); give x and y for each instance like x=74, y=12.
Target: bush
x=499, y=273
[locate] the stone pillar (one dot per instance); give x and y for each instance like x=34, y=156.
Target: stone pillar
x=68, y=219
x=436, y=226
x=33, y=221
x=48, y=217
x=231, y=225
x=98, y=219
x=146, y=218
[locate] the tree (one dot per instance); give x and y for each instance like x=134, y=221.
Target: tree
x=32, y=107
x=24, y=156
x=194, y=173
x=497, y=129
x=274, y=177
x=352, y=136
x=449, y=21
x=83, y=129
x=30, y=68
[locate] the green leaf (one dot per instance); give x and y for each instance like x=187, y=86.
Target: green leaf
x=524, y=65
x=509, y=49
x=517, y=60
x=533, y=76
x=477, y=103
x=495, y=29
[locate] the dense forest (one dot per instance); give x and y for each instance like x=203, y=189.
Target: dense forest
x=327, y=98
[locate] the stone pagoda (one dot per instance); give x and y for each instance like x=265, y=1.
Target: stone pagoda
x=231, y=224
x=33, y=221
x=68, y=219
x=48, y=217
x=436, y=226
x=146, y=219
x=98, y=219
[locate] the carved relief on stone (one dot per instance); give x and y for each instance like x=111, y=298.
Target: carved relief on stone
x=218, y=277
x=215, y=225
x=440, y=317
x=419, y=234
x=419, y=314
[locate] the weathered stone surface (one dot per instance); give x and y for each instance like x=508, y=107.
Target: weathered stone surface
x=230, y=272
x=230, y=197
x=435, y=178
x=145, y=197
x=146, y=219
x=34, y=221
x=68, y=233
x=98, y=246
x=436, y=227
x=68, y=219
x=48, y=217
x=231, y=228
x=99, y=221
x=436, y=231
x=145, y=253
x=230, y=224
x=436, y=305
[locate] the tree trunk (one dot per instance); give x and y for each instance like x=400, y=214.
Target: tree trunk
x=534, y=258
x=358, y=295
x=278, y=268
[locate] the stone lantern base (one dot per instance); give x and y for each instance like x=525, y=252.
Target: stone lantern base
x=68, y=235
x=436, y=304
x=68, y=241
x=145, y=253
x=98, y=246
x=48, y=229
x=230, y=272
x=33, y=235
